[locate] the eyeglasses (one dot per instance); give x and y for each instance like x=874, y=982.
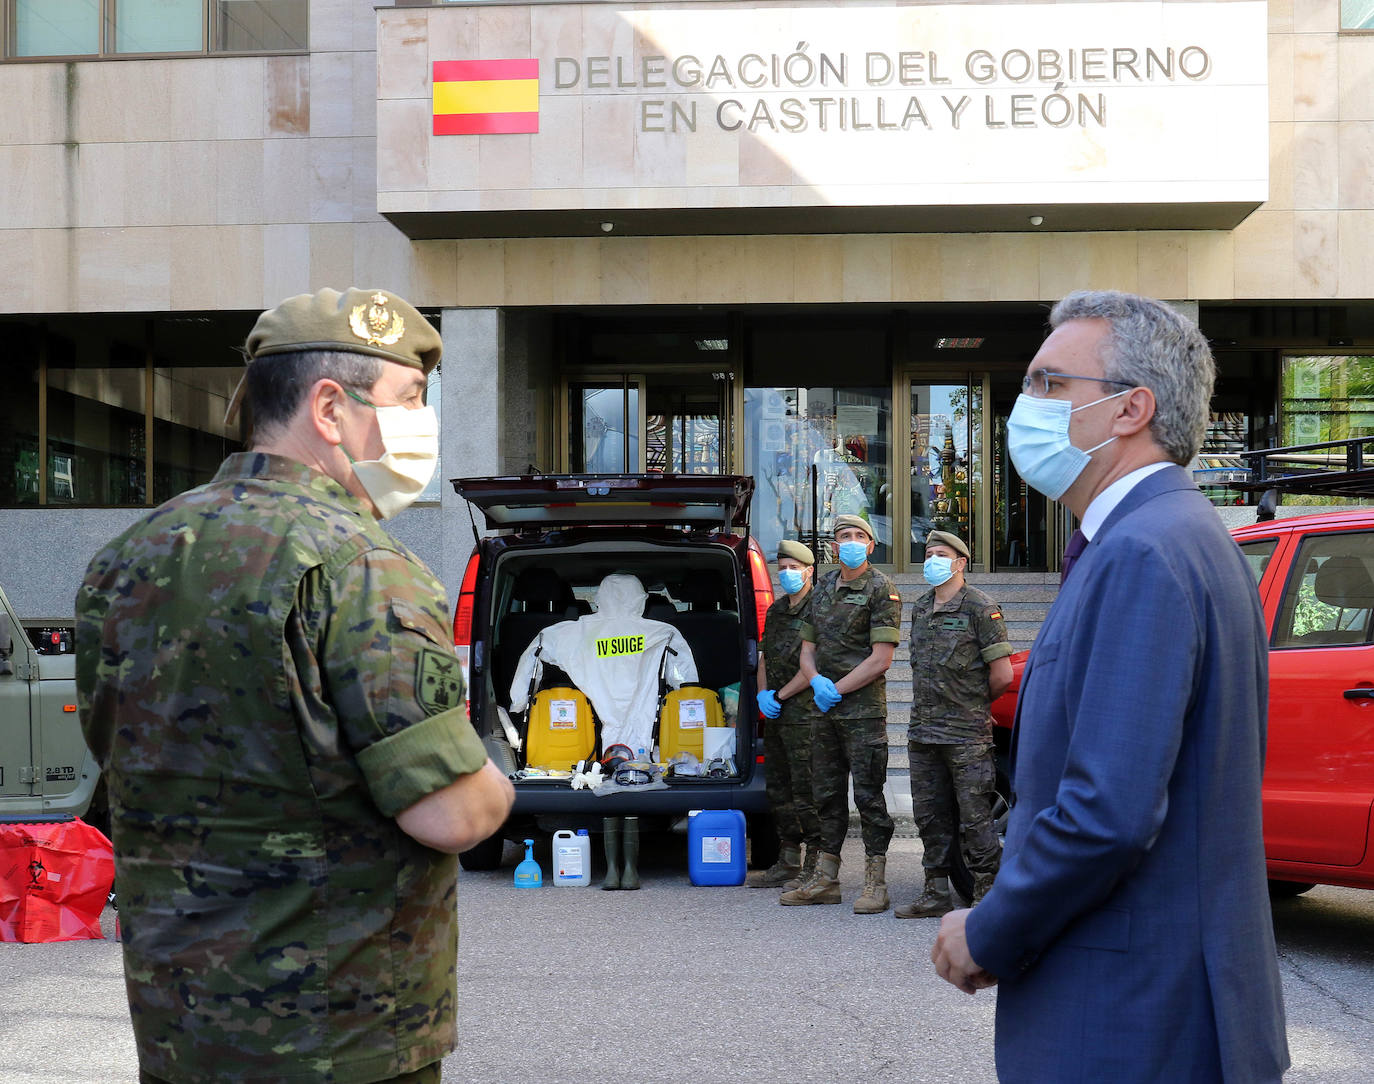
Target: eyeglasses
x=1040, y=383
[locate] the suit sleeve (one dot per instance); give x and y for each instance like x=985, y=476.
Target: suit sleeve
x=1125, y=720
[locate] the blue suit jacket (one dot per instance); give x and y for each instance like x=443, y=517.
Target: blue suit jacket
x=1130, y=923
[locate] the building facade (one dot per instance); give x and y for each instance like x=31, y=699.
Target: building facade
x=810, y=242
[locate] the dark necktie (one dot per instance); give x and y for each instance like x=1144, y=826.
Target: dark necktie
x=1078, y=541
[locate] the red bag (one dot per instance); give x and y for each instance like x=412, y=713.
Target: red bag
x=54, y=881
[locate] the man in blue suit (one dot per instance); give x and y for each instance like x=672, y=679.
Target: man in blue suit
x=1129, y=928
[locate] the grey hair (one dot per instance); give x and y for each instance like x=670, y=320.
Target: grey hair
x=277, y=383
x=1153, y=346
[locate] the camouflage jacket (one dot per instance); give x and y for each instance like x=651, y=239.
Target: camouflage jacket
x=951, y=646
x=266, y=679
x=782, y=641
x=846, y=620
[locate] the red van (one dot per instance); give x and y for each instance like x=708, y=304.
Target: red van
x=1315, y=575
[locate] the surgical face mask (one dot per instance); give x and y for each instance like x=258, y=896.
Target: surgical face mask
x=411, y=440
x=1039, y=445
x=853, y=554
x=792, y=580
x=937, y=570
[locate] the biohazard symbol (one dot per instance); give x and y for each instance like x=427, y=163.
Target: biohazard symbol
x=440, y=681
x=36, y=871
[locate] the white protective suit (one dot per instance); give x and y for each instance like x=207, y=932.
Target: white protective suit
x=612, y=655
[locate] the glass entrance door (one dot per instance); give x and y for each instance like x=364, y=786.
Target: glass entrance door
x=685, y=430
x=605, y=421
x=946, y=462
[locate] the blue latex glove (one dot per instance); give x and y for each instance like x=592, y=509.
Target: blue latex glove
x=769, y=703
x=827, y=696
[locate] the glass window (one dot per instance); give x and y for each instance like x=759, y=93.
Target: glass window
x=257, y=26
x=1326, y=398
x=96, y=424
x=159, y=26
x=816, y=453
x=190, y=439
x=946, y=461
x=1357, y=14
x=1257, y=555
x=56, y=27
x=19, y=419
x=605, y=426
x=1328, y=601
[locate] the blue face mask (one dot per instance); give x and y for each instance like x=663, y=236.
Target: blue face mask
x=792, y=580
x=937, y=570
x=1039, y=445
x=853, y=554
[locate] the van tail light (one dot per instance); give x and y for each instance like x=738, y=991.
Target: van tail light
x=462, y=619
x=763, y=598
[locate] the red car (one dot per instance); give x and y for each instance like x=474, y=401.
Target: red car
x=1315, y=576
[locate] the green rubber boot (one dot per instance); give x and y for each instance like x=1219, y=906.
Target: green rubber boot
x=629, y=878
x=610, y=837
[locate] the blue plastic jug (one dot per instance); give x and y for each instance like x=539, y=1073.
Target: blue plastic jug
x=527, y=873
x=715, y=847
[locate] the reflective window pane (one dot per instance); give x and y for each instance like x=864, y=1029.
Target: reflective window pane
x=190, y=439
x=19, y=419
x=252, y=26
x=159, y=26
x=817, y=453
x=605, y=427
x=96, y=422
x=56, y=27
x=946, y=462
x=1326, y=398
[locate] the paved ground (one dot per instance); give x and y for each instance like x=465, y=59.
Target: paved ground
x=676, y=983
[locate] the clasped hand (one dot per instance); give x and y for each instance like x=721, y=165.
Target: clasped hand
x=769, y=703
x=827, y=696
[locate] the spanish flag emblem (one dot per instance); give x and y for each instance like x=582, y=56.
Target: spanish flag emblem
x=486, y=97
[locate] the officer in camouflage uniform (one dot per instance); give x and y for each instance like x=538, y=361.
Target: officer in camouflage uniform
x=847, y=647
x=268, y=681
x=786, y=699
x=960, y=653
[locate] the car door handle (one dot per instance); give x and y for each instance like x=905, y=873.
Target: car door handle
x=1359, y=694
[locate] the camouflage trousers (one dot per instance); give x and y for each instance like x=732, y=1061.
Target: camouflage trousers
x=949, y=777
x=841, y=748
x=430, y=1074
x=787, y=756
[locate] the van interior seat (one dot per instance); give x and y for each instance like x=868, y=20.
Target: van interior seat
x=544, y=599
x=711, y=631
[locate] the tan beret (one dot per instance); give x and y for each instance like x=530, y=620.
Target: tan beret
x=357, y=321
x=796, y=551
x=848, y=520
x=944, y=538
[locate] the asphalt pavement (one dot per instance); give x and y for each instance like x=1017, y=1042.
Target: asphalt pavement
x=675, y=983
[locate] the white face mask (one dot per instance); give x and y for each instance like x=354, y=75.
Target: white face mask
x=411, y=440
x=1039, y=445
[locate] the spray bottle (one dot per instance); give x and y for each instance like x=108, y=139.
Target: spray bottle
x=527, y=873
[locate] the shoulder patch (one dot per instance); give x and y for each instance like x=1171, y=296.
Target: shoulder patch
x=895, y=598
x=438, y=680
x=996, y=615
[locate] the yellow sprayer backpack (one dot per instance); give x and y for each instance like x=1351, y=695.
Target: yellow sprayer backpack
x=683, y=720
x=561, y=730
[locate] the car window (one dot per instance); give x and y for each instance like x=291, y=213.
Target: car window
x=1257, y=555
x=1330, y=595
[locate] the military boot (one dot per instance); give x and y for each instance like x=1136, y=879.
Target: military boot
x=823, y=886
x=808, y=867
x=981, y=884
x=933, y=902
x=784, y=869
x=629, y=877
x=610, y=836
x=873, y=900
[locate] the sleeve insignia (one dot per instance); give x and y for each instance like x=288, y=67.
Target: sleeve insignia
x=996, y=615
x=438, y=681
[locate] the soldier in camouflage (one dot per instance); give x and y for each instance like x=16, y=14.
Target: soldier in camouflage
x=267, y=680
x=786, y=699
x=847, y=647
x=960, y=654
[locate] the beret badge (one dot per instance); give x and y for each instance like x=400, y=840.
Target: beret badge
x=375, y=323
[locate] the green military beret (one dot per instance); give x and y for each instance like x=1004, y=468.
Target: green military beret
x=357, y=321
x=944, y=538
x=852, y=521
x=796, y=551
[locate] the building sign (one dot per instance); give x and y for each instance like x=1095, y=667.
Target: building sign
x=779, y=107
